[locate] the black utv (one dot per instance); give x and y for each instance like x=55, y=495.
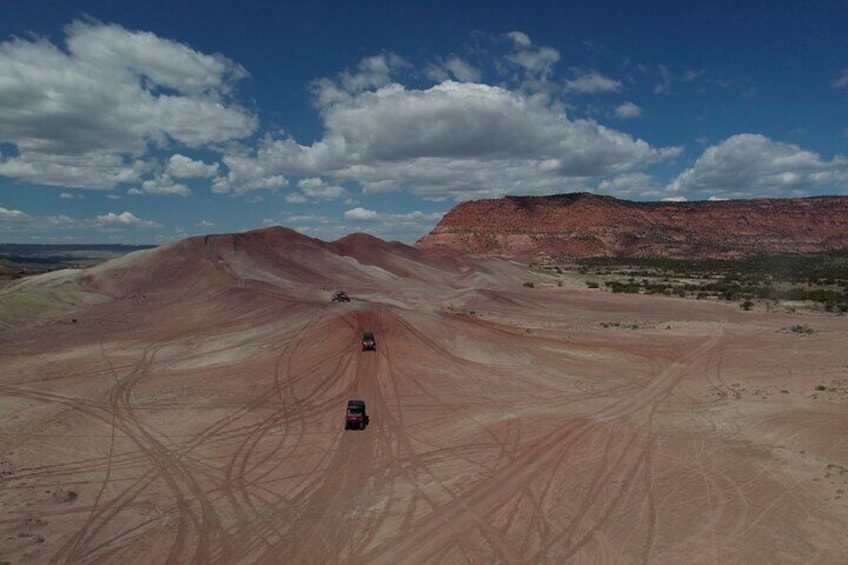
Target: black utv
x=368, y=342
x=340, y=296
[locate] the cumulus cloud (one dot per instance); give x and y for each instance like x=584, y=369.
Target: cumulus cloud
x=536, y=62
x=592, y=83
x=627, y=111
x=365, y=215
x=182, y=167
x=632, y=186
x=123, y=220
x=362, y=215
x=247, y=173
x=454, y=139
x=312, y=189
x=296, y=198
x=164, y=186
x=519, y=38
x=95, y=170
x=754, y=166
x=18, y=224
x=402, y=227
x=86, y=115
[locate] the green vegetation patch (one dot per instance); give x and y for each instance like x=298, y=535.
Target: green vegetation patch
x=819, y=278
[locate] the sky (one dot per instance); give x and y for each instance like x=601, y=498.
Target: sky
x=147, y=122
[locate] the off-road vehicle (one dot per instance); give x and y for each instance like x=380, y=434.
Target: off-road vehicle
x=368, y=342
x=341, y=296
x=356, y=417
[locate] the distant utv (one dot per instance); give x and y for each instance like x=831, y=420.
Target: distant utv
x=341, y=296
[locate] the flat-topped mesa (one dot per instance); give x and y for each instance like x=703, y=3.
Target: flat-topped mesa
x=586, y=225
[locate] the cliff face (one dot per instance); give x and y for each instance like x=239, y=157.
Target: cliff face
x=586, y=225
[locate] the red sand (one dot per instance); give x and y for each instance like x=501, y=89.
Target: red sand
x=197, y=417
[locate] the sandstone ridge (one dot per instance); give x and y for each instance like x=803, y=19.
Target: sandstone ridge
x=587, y=225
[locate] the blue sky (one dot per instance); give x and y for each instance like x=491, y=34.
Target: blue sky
x=148, y=122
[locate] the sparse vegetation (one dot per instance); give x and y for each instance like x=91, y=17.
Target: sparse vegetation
x=801, y=329
x=820, y=280
x=623, y=325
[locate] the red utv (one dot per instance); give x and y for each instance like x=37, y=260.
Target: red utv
x=356, y=417
x=368, y=342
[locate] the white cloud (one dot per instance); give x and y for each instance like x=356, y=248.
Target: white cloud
x=95, y=170
x=841, y=82
x=314, y=188
x=163, y=186
x=455, y=68
x=18, y=225
x=627, y=110
x=592, y=83
x=182, y=167
x=83, y=117
x=632, y=186
x=301, y=218
x=372, y=72
x=536, y=62
x=123, y=220
x=7, y=215
x=362, y=215
x=248, y=173
x=754, y=166
x=459, y=140
x=520, y=38
x=403, y=227
x=296, y=198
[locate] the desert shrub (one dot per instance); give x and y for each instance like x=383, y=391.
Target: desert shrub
x=801, y=329
x=627, y=287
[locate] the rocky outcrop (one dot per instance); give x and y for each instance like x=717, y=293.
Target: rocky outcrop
x=586, y=225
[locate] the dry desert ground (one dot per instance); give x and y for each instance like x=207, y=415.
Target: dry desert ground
x=186, y=405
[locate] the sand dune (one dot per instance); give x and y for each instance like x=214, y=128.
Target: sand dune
x=185, y=404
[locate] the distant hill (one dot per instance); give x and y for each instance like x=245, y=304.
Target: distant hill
x=586, y=225
x=282, y=260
